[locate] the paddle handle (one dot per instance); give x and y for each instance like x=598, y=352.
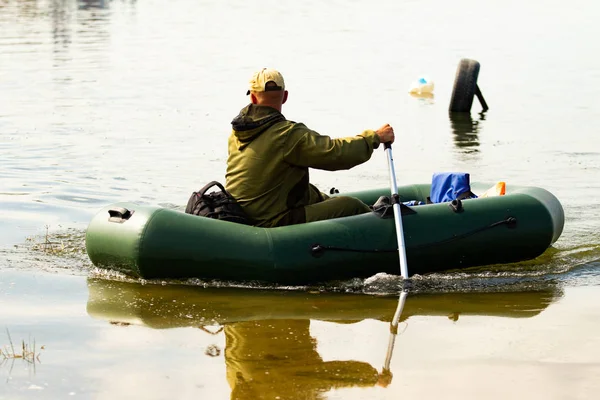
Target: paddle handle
x=397, y=213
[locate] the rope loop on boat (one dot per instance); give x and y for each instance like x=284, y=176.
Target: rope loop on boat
x=317, y=250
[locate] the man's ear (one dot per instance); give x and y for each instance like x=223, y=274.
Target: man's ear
x=253, y=98
x=285, y=96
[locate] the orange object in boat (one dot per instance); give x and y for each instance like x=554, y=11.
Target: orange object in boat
x=499, y=189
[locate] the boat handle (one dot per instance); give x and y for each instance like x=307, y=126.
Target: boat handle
x=456, y=205
x=119, y=214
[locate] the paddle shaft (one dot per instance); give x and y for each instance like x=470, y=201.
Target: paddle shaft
x=397, y=213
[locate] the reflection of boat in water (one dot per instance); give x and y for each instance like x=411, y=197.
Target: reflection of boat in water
x=174, y=306
x=269, y=350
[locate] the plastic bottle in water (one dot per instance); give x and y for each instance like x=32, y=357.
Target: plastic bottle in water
x=422, y=86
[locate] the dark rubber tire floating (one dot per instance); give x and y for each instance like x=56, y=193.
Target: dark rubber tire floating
x=465, y=87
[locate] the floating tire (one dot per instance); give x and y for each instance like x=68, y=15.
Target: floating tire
x=465, y=86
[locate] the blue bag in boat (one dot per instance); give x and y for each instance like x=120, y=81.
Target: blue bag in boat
x=448, y=186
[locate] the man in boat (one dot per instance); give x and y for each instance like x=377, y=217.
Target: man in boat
x=269, y=157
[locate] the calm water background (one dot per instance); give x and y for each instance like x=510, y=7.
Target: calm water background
x=104, y=101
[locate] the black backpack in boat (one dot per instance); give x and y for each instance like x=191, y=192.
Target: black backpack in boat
x=218, y=205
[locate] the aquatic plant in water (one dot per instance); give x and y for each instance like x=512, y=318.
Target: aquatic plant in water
x=26, y=352
x=60, y=243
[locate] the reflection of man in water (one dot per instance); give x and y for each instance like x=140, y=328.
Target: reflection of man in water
x=273, y=359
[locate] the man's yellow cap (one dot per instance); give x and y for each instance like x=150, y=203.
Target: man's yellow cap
x=258, y=82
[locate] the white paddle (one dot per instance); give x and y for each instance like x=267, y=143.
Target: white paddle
x=397, y=213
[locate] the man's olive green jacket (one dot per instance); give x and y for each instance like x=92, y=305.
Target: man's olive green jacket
x=269, y=157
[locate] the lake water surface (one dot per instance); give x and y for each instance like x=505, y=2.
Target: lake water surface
x=105, y=101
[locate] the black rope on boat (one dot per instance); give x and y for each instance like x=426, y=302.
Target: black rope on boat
x=511, y=222
x=317, y=250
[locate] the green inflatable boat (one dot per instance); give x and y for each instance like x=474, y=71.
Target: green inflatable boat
x=153, y=242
